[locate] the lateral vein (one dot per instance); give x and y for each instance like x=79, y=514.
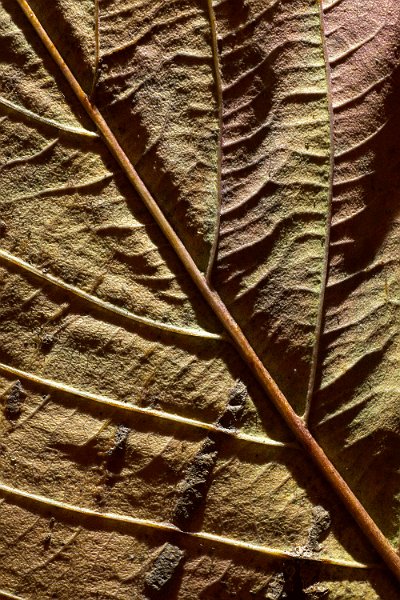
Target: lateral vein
x=328, y=227
x=51, y=122
x=218, y=87
x=4, y=594
x=103, y=304
x=168, y=527
x=152, y=412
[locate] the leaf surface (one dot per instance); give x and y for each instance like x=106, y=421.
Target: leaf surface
x=140, y=456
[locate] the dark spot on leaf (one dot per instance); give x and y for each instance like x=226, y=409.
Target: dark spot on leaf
x=84, y=455
x=234, y=411
x=195, y=483
x=14, y=401
x=163, y=569
x=47, y=541
x=99, y=498
x=194, y=486
x=47, y=342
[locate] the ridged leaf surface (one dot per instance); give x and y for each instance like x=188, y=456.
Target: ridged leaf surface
x=140, y=455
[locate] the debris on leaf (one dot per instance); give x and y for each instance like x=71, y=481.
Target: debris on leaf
x=164, y=567
x=319, y=528
x=194, y=486
x=14, y=401
x=276, y=587
x=236, y=403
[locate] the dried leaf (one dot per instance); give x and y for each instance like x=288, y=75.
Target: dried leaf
x=140, y=454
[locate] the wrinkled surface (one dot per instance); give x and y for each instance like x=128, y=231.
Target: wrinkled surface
x=226, y=113
x=275, y=181
x=356, y=409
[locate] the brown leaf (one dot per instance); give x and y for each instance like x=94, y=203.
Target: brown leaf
x=140, y=453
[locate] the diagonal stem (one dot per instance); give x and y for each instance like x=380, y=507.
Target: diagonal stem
x=294, y=422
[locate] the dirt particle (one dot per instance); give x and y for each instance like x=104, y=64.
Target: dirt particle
x=47, y=342
x=195, y=484
x=319, y=528
x=275, y=588
x=316, y=592
x=164, y=568
x=121, y=436
x=116, y=454
x=14, y=401
x=235, y=408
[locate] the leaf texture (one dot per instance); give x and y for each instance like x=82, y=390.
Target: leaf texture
x=140, y=457
x=275, y=182
x=359, y=383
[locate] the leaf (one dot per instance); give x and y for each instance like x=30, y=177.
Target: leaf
x=140, y=453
